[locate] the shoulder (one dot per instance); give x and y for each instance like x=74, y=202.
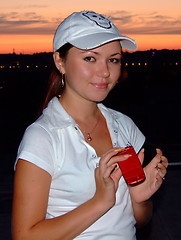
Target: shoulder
x=54, y=116
x=125, y=126
x=37, y=132
x=116, y=115
x=37, y=147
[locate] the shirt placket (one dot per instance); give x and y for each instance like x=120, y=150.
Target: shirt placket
x=94, y=159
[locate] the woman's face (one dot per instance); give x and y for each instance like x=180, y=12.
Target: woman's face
x=91, y=74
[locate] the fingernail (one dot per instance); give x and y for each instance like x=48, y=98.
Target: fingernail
x=159, y=164
x=115, y=164
x=119, y=149
x=142, y=150
x=127, y=155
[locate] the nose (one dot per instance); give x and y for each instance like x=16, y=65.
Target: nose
x=103, y=70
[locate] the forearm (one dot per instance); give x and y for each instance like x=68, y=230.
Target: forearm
x=142, y=212
x=67, y=226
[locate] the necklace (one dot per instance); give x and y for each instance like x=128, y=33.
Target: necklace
x=88, y=137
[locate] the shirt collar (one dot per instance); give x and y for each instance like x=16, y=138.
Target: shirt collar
x=57, y=115
x=59, y=118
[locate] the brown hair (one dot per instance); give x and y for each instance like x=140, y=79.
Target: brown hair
x=54, y=87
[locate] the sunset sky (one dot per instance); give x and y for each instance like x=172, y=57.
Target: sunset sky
x=27, y=26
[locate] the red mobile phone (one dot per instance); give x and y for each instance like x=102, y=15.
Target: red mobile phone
x=131, y=168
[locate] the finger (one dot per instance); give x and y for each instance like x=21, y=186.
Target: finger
x=161, y=170
x=116, y=173
x=107, y=156
x=156, y=159
x=141, y=155
x=159, y=152
x=116, y=176
x=105, y=159
x=109, y=170
x=164, y=161
x=159, y=181
x=111, y=157
x=118, y=158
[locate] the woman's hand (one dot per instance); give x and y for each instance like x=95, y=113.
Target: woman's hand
x=107, y=177
x=155, y=173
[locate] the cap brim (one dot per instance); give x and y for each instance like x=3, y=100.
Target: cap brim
x=98, y=39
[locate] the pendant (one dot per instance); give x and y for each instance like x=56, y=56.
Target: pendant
x=89, y=137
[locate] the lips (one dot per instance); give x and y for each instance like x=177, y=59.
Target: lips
x=100, y=85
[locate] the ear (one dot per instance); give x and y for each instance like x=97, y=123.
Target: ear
x=59, y=62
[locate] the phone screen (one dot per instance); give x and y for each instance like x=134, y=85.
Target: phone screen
x=131, y=168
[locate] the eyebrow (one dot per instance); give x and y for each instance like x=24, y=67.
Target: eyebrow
x=115, y=54
x=90, y=51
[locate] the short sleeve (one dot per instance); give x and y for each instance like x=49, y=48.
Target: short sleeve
x=136, y=137
x=37, y=147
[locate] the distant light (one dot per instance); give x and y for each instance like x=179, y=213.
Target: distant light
x=146, y=64
x=153, y=53
x=46, y=66
x=126, y=64
x=132, y=64
x=27, y=66
x=36, y=66
x=176, y=63
x=139, y=64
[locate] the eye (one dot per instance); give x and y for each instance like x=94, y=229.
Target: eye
x=115, y=60
x=89, y=59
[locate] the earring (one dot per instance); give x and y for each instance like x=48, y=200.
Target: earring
x=63, y=80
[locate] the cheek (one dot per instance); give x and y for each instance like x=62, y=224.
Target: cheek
x=80, y=72
x=77, y=74
x=85, y=71
x=116, y=73
x=77, y=69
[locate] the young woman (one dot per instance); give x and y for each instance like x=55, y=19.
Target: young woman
x=67, y=183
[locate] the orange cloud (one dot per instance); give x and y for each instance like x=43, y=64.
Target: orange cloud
x=28, y=44
x=25, y=44
x=164, y=41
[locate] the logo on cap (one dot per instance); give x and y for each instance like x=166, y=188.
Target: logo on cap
x=99, y=19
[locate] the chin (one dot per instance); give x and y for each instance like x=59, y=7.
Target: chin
x=99, y=98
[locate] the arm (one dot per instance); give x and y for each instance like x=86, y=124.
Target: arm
x=141, y=193
x=142, y=212
x=31, y=190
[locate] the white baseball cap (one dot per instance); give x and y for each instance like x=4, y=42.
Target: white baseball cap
x=88, y=30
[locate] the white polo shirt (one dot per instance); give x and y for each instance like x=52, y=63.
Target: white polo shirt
x=55, y=143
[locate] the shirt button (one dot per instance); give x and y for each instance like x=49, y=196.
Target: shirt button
x=114, y=144
x=76, y=128
x=115, y=131
x=93, y=156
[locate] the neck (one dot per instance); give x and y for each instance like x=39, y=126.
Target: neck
x=78, y=109
x=85, y=113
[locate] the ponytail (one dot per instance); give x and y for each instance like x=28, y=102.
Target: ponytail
x=55, y=87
